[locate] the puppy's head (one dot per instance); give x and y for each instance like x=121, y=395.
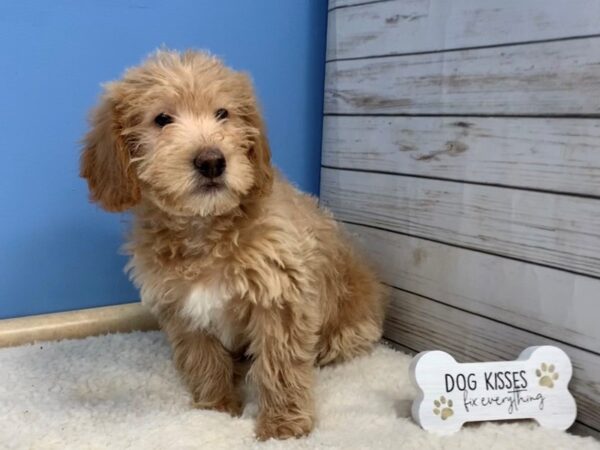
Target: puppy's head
x=182, y=131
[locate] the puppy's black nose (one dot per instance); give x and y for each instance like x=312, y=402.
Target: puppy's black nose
x=210, y=163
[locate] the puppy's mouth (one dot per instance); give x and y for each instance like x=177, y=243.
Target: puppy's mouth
x=212, y=186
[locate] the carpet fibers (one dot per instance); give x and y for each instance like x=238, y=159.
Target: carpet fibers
x=121, y=391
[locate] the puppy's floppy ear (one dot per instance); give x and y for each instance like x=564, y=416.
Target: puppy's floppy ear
x=260, y=155
x=259, y=152
x=105, y=161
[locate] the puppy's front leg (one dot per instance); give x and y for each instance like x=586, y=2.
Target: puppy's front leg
x=283, y=347
x=207, y=368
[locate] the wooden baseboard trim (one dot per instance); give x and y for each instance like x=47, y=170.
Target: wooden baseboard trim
x=76, y=324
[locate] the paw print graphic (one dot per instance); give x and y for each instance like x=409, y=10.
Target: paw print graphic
x=546, y=374
x=443, y=408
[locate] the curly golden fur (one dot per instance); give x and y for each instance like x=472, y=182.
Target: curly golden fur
x=237, y=263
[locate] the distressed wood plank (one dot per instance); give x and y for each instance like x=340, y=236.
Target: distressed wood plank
x=344, y=3
x=560, y=231
x=424, y=324
x=552, y=154
x=552, y=78
x=543, y=300
x=583, y=430
x=406, y=26
x=398, y=347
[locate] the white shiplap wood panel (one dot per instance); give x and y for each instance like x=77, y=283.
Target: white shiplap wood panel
x=583, y=430
x=543, y=300
x=556, y=230
x=552, y=78
x=423, y=324
x=345, y=3
x=407, y=26
x=550, y=154
x=492, y=216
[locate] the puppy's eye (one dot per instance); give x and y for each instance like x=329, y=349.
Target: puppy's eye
x=163, y=119
x=221, y=114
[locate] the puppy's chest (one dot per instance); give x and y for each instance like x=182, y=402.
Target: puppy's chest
x=209, y=308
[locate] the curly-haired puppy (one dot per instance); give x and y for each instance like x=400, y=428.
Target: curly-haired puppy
x=230, y=257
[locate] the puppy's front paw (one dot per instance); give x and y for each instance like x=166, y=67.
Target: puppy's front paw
x=282, y=427
x=230, y=406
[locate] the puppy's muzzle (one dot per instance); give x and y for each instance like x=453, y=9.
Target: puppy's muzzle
x=210, y=163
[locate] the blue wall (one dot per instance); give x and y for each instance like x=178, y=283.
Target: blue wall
x=57, y=251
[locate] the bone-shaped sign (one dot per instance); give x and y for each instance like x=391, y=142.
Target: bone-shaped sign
x=535, y=386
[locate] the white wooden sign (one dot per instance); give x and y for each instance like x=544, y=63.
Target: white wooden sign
x=535, y=386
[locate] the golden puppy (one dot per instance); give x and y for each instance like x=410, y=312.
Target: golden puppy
x=230, y=257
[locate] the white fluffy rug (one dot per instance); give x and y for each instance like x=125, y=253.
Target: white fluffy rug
x=121, y=391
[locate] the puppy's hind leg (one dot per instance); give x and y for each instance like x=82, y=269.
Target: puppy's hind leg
x=356, y=325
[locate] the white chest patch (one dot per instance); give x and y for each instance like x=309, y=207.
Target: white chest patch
x=204, y=308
